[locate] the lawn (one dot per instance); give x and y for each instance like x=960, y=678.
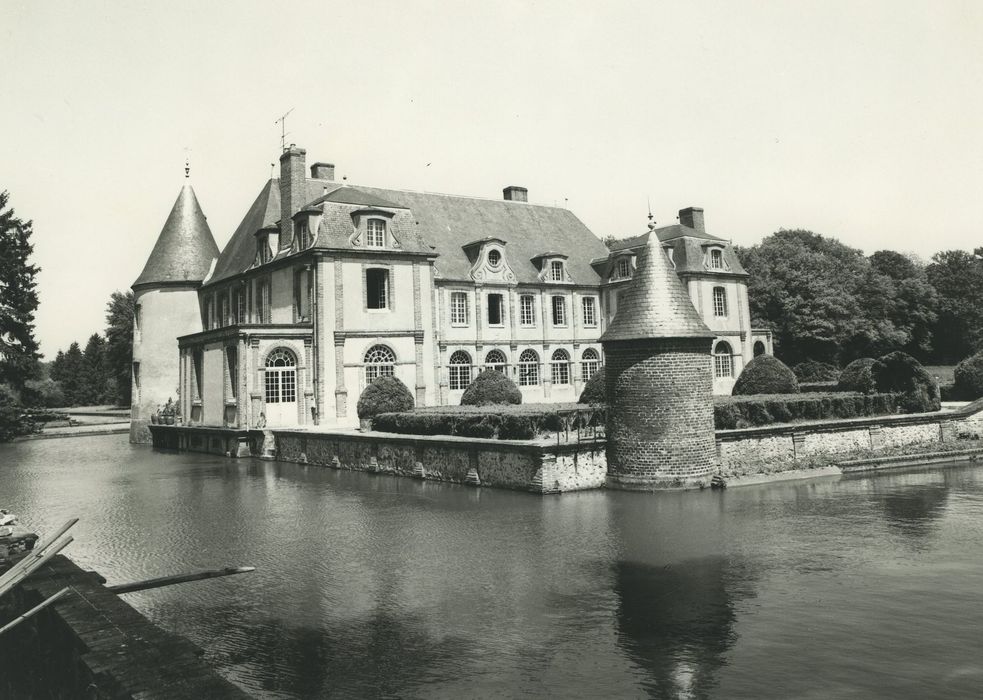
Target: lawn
x=942, y=373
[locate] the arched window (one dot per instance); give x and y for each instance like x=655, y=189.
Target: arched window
x=723, y=362
x=589, y=362
x=281, y=377
x=560, y=367
x=528, y=368
x=380, y=361
x=759, y=348
x=496, y=360
x=719, y=301
x=459, y=370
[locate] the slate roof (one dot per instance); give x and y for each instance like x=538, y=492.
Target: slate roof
x=185, y=247
x=688, y=248
x=431, y=223
x=655, y=303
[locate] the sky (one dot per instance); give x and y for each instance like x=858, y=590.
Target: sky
x=861, y=121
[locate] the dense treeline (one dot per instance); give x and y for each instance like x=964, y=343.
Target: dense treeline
x=828, y=302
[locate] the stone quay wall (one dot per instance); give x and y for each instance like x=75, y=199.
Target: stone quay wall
x=91, y=644
x=771, y=449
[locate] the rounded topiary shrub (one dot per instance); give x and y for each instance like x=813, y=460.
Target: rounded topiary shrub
x=384, y=395
x=766, y=374
x=491, y=387
x=594, y=389
x=901, y=374
x=813, y=371
x=969, y=377
x=857, y=376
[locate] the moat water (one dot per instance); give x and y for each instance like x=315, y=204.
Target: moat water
x=374, y=586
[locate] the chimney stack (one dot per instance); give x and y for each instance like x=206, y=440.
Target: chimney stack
x=322, y=171
x=692, y=217
x=292, y=187
x=514, y=193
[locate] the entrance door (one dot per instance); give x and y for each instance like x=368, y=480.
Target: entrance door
x=281, y=388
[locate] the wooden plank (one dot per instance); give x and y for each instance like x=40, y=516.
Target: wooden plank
x=33, y=611
x=177, y=578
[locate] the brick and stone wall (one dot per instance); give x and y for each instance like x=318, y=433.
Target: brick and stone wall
x=660, y=413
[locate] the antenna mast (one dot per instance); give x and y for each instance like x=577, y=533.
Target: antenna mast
x=282, y=121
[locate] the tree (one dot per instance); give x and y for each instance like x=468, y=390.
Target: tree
x=18, y=299
x=914, y=303
x=94, y=381
x=119, y=345
x=73, y=366
x=957, y=277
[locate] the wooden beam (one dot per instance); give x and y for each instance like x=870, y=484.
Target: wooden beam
x=178, y=578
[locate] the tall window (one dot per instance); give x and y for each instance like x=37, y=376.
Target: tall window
x=495, y=359
x=556, y=271
x=137, y=320
x=717, y=259
x=376, y=236
x=624, y=268
x=719, y=301
x=303, y=234
x=302, y=295
x=197, y=360
x=560, y=367
x=459, y=308
x=380, y=361
x=590, y=361
x=281, y=377
x=263, y=243
x=263, y=310
x=559, y=311
x=223, y=314
x=528, y=368
x=377, y=288
x=232, y=371
x=590, y=311
x=723, y=363
x=459, y=371
x=527, y=310
x=496, y=302
x=136, y=381
x=240, y=305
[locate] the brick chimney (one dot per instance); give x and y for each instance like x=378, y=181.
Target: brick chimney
x=292, y=187
x=322, y=171
x=514, y=193
x=692, y=217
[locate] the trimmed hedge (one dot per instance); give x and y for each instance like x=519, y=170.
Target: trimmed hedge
x=489, y=388
x=503, y=422
x=901, y=374
x=766, y=374
x=813, y=387
x=857, y=376
x=594, y=389
x=968, y=383
x=813, y=371
x=383, y=395
x=747, y=411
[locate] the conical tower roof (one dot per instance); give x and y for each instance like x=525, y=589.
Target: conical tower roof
x=655, y=304
x=185, y=247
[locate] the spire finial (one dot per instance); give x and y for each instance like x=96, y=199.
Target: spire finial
x=651, y=221
x=187, y=168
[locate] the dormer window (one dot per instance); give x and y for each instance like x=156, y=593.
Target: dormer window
x=494, y=257
x=375, y=236
x=624, y=269
x=302, y=232
x=716, y=259
x=556, y=271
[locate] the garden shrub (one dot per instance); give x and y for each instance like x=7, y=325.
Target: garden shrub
x=812, y=387
x=766, y=374
x=491, y=387
x=968, y=384
x=384, y=395
x=857, y=376
x=745, y=411
x=813, y=371
x=506, y=422
x=594, y=389
x=900, y=373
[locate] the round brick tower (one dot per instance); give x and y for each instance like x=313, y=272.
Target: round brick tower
x=659, y=386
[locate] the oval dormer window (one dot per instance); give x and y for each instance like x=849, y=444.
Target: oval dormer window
x=494, y=257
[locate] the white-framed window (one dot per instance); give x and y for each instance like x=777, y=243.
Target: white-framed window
x=380, y=361
x=719, y=301
x=263, y=312
x=590, y=311
x=459, y=370
x=375, y=235
x=560, y=367
x=377, y=288
x=302, y=232
x=496, y=360
x=556, y=271
x=723, y=361
x=590, y=361
x=494, y=257
x=496, y=310
x=528, y=368
x=459, y=308
x=527, y=310
x=281, y=377
x=559, y=311
x=624, y=268
x=716, y=259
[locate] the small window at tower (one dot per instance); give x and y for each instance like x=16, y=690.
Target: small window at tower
x=719, y=301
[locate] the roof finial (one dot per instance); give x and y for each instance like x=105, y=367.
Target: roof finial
x=651, y=221
x=187, y=167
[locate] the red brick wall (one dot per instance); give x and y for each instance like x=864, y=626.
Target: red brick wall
x=660, y=413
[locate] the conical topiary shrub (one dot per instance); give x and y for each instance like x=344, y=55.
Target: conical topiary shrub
x=901, y=374
x=491, y=387
x=384, y=395
x=857, y=376
x=766, y=374
x=969, y=377
x=594, y=388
